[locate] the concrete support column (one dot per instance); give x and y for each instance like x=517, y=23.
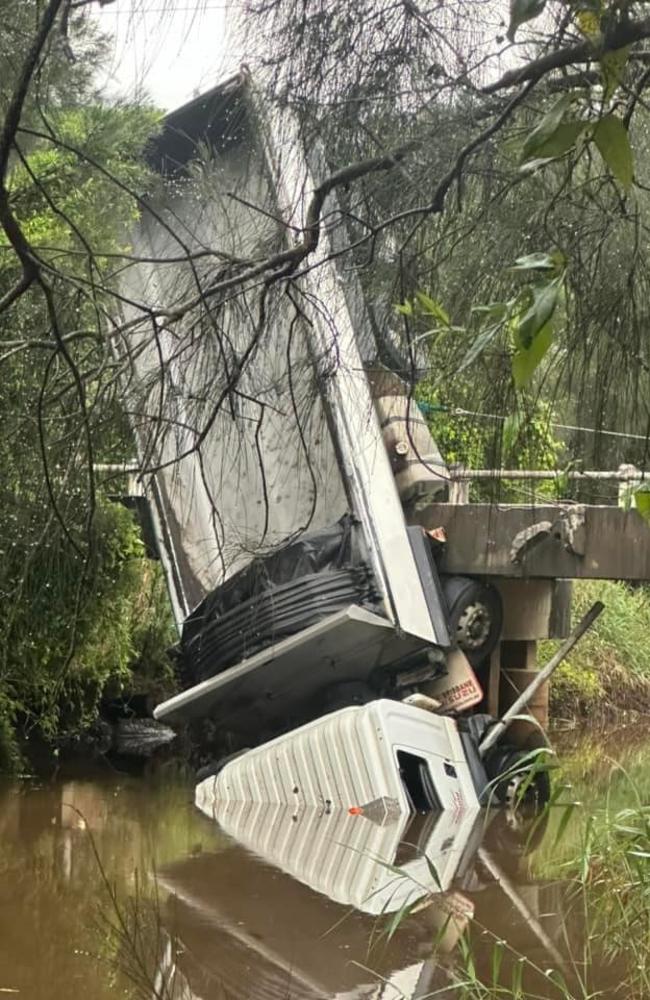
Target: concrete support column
x=532, y=610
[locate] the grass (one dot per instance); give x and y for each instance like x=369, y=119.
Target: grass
x=602, y=856
x=597, y=944
x=605, y=921
x=608, y=672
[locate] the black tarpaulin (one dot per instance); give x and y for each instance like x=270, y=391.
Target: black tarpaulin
x=276, y=596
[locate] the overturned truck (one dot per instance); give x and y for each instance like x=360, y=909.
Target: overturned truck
x=298, y=498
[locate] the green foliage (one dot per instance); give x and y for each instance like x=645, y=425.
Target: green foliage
x=609, y=669
x=612, y=140
x=152, y=633
x=73, y=213
x=642, y=501
x=65, y=645
x=609, y=134
x=604, y=877
x=595, y=19
x=9, y=752
x=596, y=859
x=564, y=138
x=523, y=440
x=555, y=136
x=612, y=65
x=528, y=316
x=529, y=441
x=460, y=439
x=532, y=329
x=74, y=583
x=541, y=137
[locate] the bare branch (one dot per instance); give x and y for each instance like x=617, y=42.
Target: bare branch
x=14, y=110
x=624, y=33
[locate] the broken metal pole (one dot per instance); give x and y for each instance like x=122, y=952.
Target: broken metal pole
x=522, y=701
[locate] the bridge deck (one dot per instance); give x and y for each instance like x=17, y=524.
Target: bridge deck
x=542, y=541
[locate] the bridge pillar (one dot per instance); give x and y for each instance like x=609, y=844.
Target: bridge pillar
x=533, y=609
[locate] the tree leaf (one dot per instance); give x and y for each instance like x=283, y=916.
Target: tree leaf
x=526, y=360
x=612, y=67
x=510, y=432
x=533, y=262
x=484, y=338
x=539, y=262
x=548, y=125
x=495, y=310
x=432, y=308
x=613, y=142
x=532, y=166
x=522, y=11
x=588, y=20
x=562, y=140
x=538, y=314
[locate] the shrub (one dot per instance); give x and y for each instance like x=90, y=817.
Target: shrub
x=77, y=626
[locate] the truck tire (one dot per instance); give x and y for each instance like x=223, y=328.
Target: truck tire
x=475, y=615
x=516, y=781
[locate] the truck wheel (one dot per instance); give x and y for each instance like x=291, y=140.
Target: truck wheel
x=475, y=615
x=510, y=770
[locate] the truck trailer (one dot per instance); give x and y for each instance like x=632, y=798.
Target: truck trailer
x=285, y=459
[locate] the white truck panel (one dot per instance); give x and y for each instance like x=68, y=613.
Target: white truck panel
x=348, y=759
x=364, y=460
x=350, y=859
x=343, y=647
x=267, y=467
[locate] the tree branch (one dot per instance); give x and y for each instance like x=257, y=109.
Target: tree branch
x=625, y=33
x=15, y=109
x=15, y=293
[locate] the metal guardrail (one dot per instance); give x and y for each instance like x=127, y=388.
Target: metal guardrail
x=128, y=468
x=134, y=486
x=462, y=478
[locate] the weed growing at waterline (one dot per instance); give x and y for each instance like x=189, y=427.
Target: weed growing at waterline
x=602, y=926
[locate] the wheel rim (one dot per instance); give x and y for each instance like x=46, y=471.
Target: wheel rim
x=474, y=624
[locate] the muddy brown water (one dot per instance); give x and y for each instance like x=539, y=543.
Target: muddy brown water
x=113, y=885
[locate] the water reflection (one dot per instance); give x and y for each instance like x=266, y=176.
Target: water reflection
x=266, y=903
x=304, y=905
x=52, y=897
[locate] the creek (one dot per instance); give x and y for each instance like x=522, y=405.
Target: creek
x=114, y=885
